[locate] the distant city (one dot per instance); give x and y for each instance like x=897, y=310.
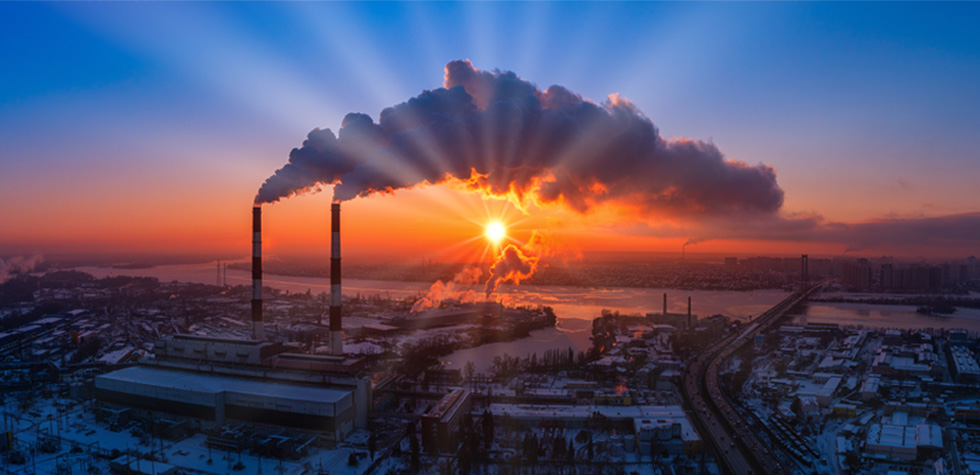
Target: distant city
x=130, y=374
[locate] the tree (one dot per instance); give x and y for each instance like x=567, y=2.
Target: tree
x=468, y=369
x=558, y=448
x=852, y=459
x=413, y=444
x=372, y=444
x=487, y=429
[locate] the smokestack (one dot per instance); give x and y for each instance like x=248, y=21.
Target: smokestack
x=689, y=312
x=665, y=303
x=258, y=332
x=336, y=328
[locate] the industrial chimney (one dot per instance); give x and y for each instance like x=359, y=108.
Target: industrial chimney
x=665, y=304
x=336, y=328
x=689, y=312
x=258, y=332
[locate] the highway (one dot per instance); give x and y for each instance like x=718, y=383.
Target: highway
x=739, y=449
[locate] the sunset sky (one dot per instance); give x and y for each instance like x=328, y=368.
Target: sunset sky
x=150, y=127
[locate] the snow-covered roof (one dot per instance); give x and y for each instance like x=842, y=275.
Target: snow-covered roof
x=207, y=383
x=583, y=411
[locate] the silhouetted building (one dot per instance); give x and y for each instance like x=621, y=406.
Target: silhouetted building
x=913, y=278
x=440, y=426
x=731, y=263
x=856, y=275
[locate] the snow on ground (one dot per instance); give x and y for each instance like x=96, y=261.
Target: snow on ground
x=190, y=454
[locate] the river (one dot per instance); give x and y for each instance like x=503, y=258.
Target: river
x=577, y=306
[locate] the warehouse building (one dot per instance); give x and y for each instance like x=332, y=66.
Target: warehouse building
x=215, y=399
x=441, y=425
x=665, y=427
x=208, y=381
x=904, y=442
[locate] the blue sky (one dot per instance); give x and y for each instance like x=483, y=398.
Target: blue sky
x=866, y=110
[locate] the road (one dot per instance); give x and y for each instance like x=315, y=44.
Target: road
x=739, y=449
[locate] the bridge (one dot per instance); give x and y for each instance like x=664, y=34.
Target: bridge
x=739, y=450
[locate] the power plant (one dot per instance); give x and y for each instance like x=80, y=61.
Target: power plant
x=679, y=320
x=210, y=380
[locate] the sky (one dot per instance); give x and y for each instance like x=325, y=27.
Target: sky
x=149, y=127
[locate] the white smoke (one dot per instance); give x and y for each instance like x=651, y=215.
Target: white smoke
x=460, y=289
x=18, y=265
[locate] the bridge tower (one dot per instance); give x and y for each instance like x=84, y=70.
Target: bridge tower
x=805, y=271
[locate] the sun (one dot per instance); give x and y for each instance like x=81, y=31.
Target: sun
x=495, y=232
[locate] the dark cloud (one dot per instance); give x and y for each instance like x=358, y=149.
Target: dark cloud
x=501, y=135
x=951, y=231
x=935, y=235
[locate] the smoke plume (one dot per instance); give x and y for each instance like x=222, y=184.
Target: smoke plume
x=516, y=264
x=459, y=289
x=498, y=134
x=18, y=265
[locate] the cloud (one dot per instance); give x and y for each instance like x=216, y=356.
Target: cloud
x=949, y=233
x=500, y=135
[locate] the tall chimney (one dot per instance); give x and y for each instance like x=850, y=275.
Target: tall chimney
x=258, y=332
x=665, y=303
x=336, y=328
x=688, y=312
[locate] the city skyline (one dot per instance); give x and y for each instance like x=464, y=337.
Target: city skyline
x=148, y=128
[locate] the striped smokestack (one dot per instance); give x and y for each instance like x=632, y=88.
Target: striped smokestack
x=336, y=327
x=258, y=332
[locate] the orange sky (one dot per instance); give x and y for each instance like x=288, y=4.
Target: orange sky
x=436, y=222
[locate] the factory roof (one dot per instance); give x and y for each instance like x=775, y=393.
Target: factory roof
x=899, y=436
x=449, y=404
x=890, y=435
x=210, y=383
x=236, y=341
x=582, y=411
x=965, y=362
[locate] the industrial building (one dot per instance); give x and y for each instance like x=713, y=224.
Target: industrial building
x=207, y=381
x=676, y=320
x=667, y=425
x=211, y=380
x=441, y=424
x=210, y=400
x=963, y=365
x=903, y=442
x=666, y=429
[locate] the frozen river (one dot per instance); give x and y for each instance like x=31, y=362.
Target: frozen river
x=577, y=306
x=886, y=316
x=574, y=306
x=574, y=303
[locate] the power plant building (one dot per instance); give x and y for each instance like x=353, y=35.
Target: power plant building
x=676, y=320
x=441, y=424
x=213, y=380
x=212, y=399
x=207, y=381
